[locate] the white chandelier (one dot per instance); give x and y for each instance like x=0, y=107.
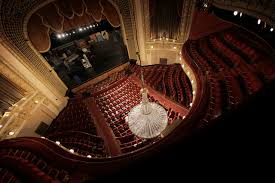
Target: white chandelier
x=147, y=119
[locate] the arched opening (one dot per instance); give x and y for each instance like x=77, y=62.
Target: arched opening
x=78, y=40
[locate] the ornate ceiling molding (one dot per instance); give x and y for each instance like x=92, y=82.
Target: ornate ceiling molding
x=14, y=77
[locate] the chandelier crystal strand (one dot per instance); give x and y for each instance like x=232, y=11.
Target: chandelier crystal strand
x=147, y=119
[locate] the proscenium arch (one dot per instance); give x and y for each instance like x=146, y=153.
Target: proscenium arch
x=31, y=13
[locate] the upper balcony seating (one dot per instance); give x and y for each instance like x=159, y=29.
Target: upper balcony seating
x=82, y=143
x=30, y=166
x=233, y=68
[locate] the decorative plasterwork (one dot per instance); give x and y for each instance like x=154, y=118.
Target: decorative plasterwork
x=12, y=38
x=146, y=19
x=19, y=114
x=186, y=19
x=14, y=77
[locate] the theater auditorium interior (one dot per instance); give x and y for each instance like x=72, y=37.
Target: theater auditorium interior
x=136, y=90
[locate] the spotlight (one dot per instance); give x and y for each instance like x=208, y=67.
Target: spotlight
x=62, y=35
x=241, y=14
x=80, y=29
x=235, y=13
x=89, y=156
x=91, y=26
x=152, y=46
x=11, y=133
x=175, y=47
x=259, y=21
x=59, y=36
x=205, y=5
x=71, y=150
x=42, y=137
x=67, y=34
x=57, y=142
x=271, y=29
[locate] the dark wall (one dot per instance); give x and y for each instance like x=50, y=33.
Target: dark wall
x=206, y=23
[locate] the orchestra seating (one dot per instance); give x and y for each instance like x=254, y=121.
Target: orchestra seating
x=234, y=69
x=170, y=80
x=105, y=82
x=115, y=104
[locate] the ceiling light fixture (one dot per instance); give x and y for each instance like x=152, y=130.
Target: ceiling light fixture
x=235, y=13
x=147, y=119
x=271, y=29
x=259, y=21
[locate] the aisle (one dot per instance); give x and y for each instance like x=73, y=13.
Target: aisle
x=103, y=129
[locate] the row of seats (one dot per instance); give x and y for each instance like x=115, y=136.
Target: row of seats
x=104, y=83
x=31, y=165
x=82, y=143
x=7, y=176
x=162, y=79
x=232, y=70
x=75, y=116
x=115, y=104
x=75, y=129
